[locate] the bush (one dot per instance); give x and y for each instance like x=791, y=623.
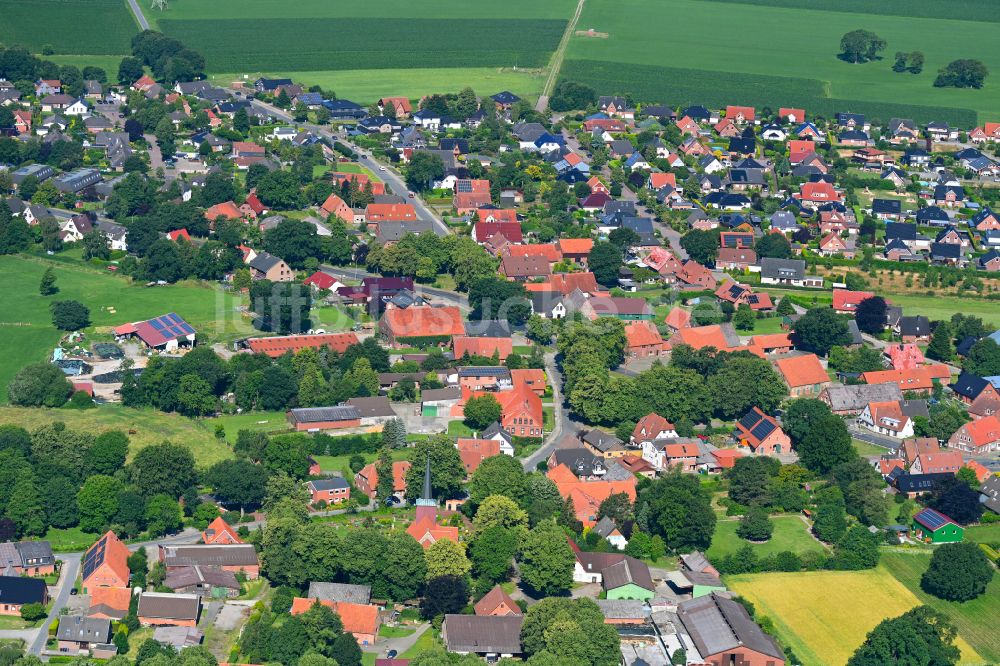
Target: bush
x=33, y=612
x=755, y=525
x=81, y=400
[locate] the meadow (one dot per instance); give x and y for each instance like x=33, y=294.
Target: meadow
x=26, y=324
x=89, y=27
x=790, y=533
x=825, y=615
x=708, y=44
x=372, y=43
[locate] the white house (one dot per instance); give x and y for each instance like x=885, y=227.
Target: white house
x=77, y=108
x=886, y=418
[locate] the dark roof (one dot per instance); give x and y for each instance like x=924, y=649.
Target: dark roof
x=920, y=483
x=969, y=386
x=321, y=414
x=332, y=483
x=211, y=576
x=169, y=606
x=84, y=629
x=505, y=97
x=782, y=268
x=18, y=590
x=579, y=460
x=916, y=325
x=372, y=407
x=488, y=328
x=951, y=251
x=484, y=371
x=887, y=206
x=628, y=571
x=483, y=633
x=901, y=230
x=931, y=214
x=264, y=262
x=602, y=441
x=240, y=554
x=717, y=624
x=355, y=594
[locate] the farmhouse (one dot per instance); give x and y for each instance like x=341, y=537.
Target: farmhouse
x=360, y=620
x=105, y=564
x=804, y=375
x=171, y=610
x=724, y=633
x=398, y=326
x=230, y=557
x=27, y=558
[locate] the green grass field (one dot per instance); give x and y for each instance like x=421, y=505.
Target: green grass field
x=975, y=620
x=825, y=615
x=25, y=321
x=790, y=533
x=91, y=27
x=780, y=53
x=983, y=533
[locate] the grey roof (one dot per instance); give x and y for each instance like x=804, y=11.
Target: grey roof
x=84, y=629
x=178, y=637
x=169, y=606
x=787, y=269
x=851, y=398
x=26, y=553
x=603, y=441
x=914, y=408
x=77, y=180
x=240, y=554
x=485, y=371
x=372, y=407
x=717, y=624
x=355, y=594
x=447, y=393
x=197, y=575
x=494, y=429
x=916, y=325
x=483, y=633
x=319, y=414
x=331, y=483
x=695, y=561
x=990, y=491
x=22, y=590
x=628, y=571
x=622, y=609
x=605, y=526
x=264, y=262
x=488, y=328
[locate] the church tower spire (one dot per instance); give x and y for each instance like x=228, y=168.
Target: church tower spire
x=427, y=505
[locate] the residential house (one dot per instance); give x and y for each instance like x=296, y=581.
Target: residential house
x=78, y=634
x=914, y=328
x=18, y=591
x=934, y=527
x=609, y=531
x=398, y=326
x=362, y=621
x=27, y=558
x=332, y=490
x=787, y=271
x=643, y=340
x=666, y=454
x=886, y=418
x=652, y=427
x=220, y=532
x=804, y=375
x=919, y=379
x=978, y=438
x=105, y=564
x=366, y=480
x=968, y=388
x=172, y=610
x=761, y=434
x=498, y=603
x=491, y=636
x=846, y=301
x=268, y=267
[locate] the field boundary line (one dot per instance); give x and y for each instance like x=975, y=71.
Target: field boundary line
x=557, y=58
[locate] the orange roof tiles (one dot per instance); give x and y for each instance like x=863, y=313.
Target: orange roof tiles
x=357, y=618
x=423, y=321
x=917, y=379
x=103, y=599
x=678, y=318
x=115, y=555
x=983, y=431
x=700, y=337
x=462, y=345
x=548, y=250
x=802, y=370
x=278, y=345
x=576, y=245
x=215, y=531
x=642, y=334
x=226, y=209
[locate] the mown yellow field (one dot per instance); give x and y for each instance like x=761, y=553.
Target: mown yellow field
x=825, y=615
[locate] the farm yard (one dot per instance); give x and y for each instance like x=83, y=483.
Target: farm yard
x=784, y=52
x=26, y=324
x=825, y=615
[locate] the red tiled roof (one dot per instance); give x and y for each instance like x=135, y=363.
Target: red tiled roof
x=390, y=212
x=278, y=345
x=846, y=300
x=642, y=334
x=423, y=321
x=462, y=344
x=803, y=370
x=320, y=280
x=576, y=245
x=701, y=336
x=226, y=209
x=356, y=618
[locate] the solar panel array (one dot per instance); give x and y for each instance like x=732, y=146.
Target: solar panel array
x=931, y=519
x=94, y=557
x=463, y=186
x=762, y=429
x=748, y=420
x=171, y=325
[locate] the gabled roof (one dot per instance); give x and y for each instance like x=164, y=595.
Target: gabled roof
x=494, y=634
x=804, y=370
x=717, y=624
x=110, y=551
x=493, y=600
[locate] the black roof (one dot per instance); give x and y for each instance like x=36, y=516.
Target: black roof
x=931, y=214
x=901, y=230
x=505, y=97
x=920, y=483
x=888, y=206
x=917, y=325
x=969, y=386
x=946, y=250
x=739, y=144
x=94, y=557
x=965, y=344
x=21, y=590
x=697, y=113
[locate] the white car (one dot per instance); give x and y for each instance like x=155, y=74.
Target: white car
x=382, y=168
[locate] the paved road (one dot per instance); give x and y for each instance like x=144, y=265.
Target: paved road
x=391, y=177
x=155, y=156
x=70, y=569
x=557, y=59
x=563, y=423
x=667, y=231
x=140, y=19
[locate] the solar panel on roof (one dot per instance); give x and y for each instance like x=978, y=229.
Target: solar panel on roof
x=748, y=420
x=932, y=519
x=762, y=429
x=94, y=557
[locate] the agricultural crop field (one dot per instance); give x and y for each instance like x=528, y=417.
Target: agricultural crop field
x=784, y=53
x=86, y=27
x=26, y=324
x=825, y=615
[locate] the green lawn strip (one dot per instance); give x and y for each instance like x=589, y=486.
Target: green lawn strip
x=865, y=449
x=459, y=429
x=790, y=533
x=386, y=631
x=983, y=533
x=975, y=620
x=260, y=421
x=150, y=426
x=766, y=326
x=342, y=463
x=69, y=539
x=424, y=642
x=983, y=10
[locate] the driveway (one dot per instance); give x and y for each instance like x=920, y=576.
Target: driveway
x=400, y=645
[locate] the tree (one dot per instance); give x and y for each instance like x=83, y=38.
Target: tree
x=60, y=512
x=940, y=347
x=443, y=595
x=25, y=507
x=500, y=511
x=33, y=612
x=830, y=521
x=423, y=170
x=163, y=515
x=861, y=46
x=498, y=475
x=47, y=285
x=572, y=630
x=857, y=549
x=494, y=298
x=749, y=479
x=129, y=70
x=743, y=382
x=785, y=307
x=604, y=260
x=546, y=560
x=819, y=329
x=755, y=525
x=295, y=241
x=97, y=502
x=916, y=64
x=983, y=359
x=238, y=482
x=870, y=315
x=818, y=435
x=963, y=73
x=920, y=637
x=957, y=572
x=745, y=318
x=957, y=500
x=702, y=246
x=492, y=552
x=107, y=454
x=163, y=468
x=623, y=238
x=447, y=558
x=481, y=411
x=677, y=508
x=70, y=315
x=569, y=95
x=773, y=245
x=283, y=307
x=195, y=397
x=39, y=385
x=617, y=507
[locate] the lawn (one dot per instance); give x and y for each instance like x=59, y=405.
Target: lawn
x=790, y=533
x=865, y=449
x=262, y=421
x=150, y=426
x=779, y=55
x=766, y=326
x=983, y=533
x=36, y=24
x=25, y=321
x=975, y=620
x=341, y=464
x=69, y=540
x=425, y=641
x=825, y=615
x=386, y=631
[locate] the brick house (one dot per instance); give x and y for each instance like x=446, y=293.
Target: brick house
x=366, y=480
x=761, y=433
x=161, y=609
x=105, y=564
x=333, y=490
x=979, y=437
x=804, y=375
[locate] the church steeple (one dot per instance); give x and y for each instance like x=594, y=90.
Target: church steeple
x=427, y=505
